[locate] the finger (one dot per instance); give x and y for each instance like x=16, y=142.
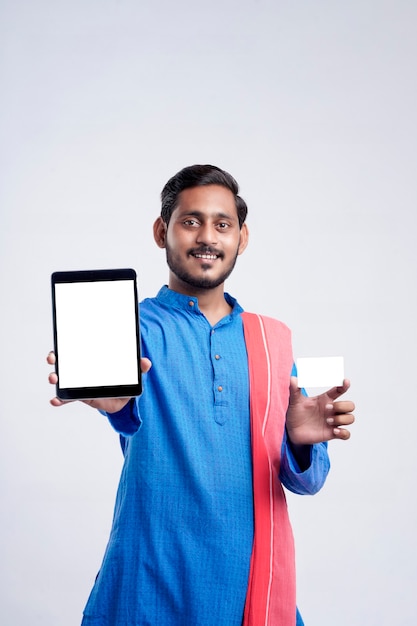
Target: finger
x=51, y=358
x=343, y=406
x=335, y=392
x=341, y=433
x=56, y=402
x=53, y=378
x=340, y=413
x=145, y=365
x=345, y=419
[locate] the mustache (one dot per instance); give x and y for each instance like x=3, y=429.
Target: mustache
x=206, y=250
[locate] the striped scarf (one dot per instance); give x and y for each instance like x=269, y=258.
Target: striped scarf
x=270, y=599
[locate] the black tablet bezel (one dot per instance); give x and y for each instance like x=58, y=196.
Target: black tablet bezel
x=90, y=393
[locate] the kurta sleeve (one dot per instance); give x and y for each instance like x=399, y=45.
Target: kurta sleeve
x=313, y=478
x=127, y=421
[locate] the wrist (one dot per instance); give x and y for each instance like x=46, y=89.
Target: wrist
x=301, y=453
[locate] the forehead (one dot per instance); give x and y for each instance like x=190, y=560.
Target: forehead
x=207, y=199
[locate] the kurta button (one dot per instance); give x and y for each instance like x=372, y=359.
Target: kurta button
x=219, y=388
x=191, y=303
x=217, y=357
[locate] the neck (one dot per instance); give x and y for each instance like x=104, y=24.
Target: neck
x=211, y=302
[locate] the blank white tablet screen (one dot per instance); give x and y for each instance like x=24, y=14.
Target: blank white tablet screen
x=96, y=333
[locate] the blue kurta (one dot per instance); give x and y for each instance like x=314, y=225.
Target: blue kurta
x=180, y=545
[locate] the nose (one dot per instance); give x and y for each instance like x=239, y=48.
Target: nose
x=207, y=234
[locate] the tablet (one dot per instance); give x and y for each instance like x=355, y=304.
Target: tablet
x=96, y=334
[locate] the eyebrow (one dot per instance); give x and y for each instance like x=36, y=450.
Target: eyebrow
x=202, y=214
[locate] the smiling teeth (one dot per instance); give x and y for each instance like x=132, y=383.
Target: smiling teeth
x=206, y=256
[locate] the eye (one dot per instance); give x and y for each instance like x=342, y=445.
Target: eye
x=223, y=225
x=190, y=222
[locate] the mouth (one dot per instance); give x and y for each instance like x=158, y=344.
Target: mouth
x=208, y=257
x=205, y=255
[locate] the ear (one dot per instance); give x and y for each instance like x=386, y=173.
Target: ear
x=244, y=238
x=159, y=232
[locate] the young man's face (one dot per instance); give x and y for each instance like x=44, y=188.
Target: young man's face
x=202, y=239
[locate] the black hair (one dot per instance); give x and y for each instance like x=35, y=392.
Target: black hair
x=198, y=176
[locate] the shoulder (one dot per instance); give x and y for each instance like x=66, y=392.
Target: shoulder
x=153, y=313
x=264, y=321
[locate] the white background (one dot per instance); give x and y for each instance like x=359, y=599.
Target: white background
x=311, y=105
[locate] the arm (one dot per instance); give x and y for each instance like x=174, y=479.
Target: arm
x=306, y=479
x=127, y=420
x=310, y=424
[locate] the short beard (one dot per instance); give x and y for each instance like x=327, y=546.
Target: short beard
x=198, y=282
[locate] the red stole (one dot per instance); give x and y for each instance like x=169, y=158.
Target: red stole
x=270, y=599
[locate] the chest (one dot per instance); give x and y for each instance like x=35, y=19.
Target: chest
x=200, y=368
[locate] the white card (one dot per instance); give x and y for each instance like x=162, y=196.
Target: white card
x=320, y=371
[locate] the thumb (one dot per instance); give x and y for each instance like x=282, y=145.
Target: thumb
x=295, y=391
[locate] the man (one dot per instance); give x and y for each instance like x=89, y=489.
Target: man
x=200, y=535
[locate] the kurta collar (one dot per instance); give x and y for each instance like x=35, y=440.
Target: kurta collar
x=190, y=304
